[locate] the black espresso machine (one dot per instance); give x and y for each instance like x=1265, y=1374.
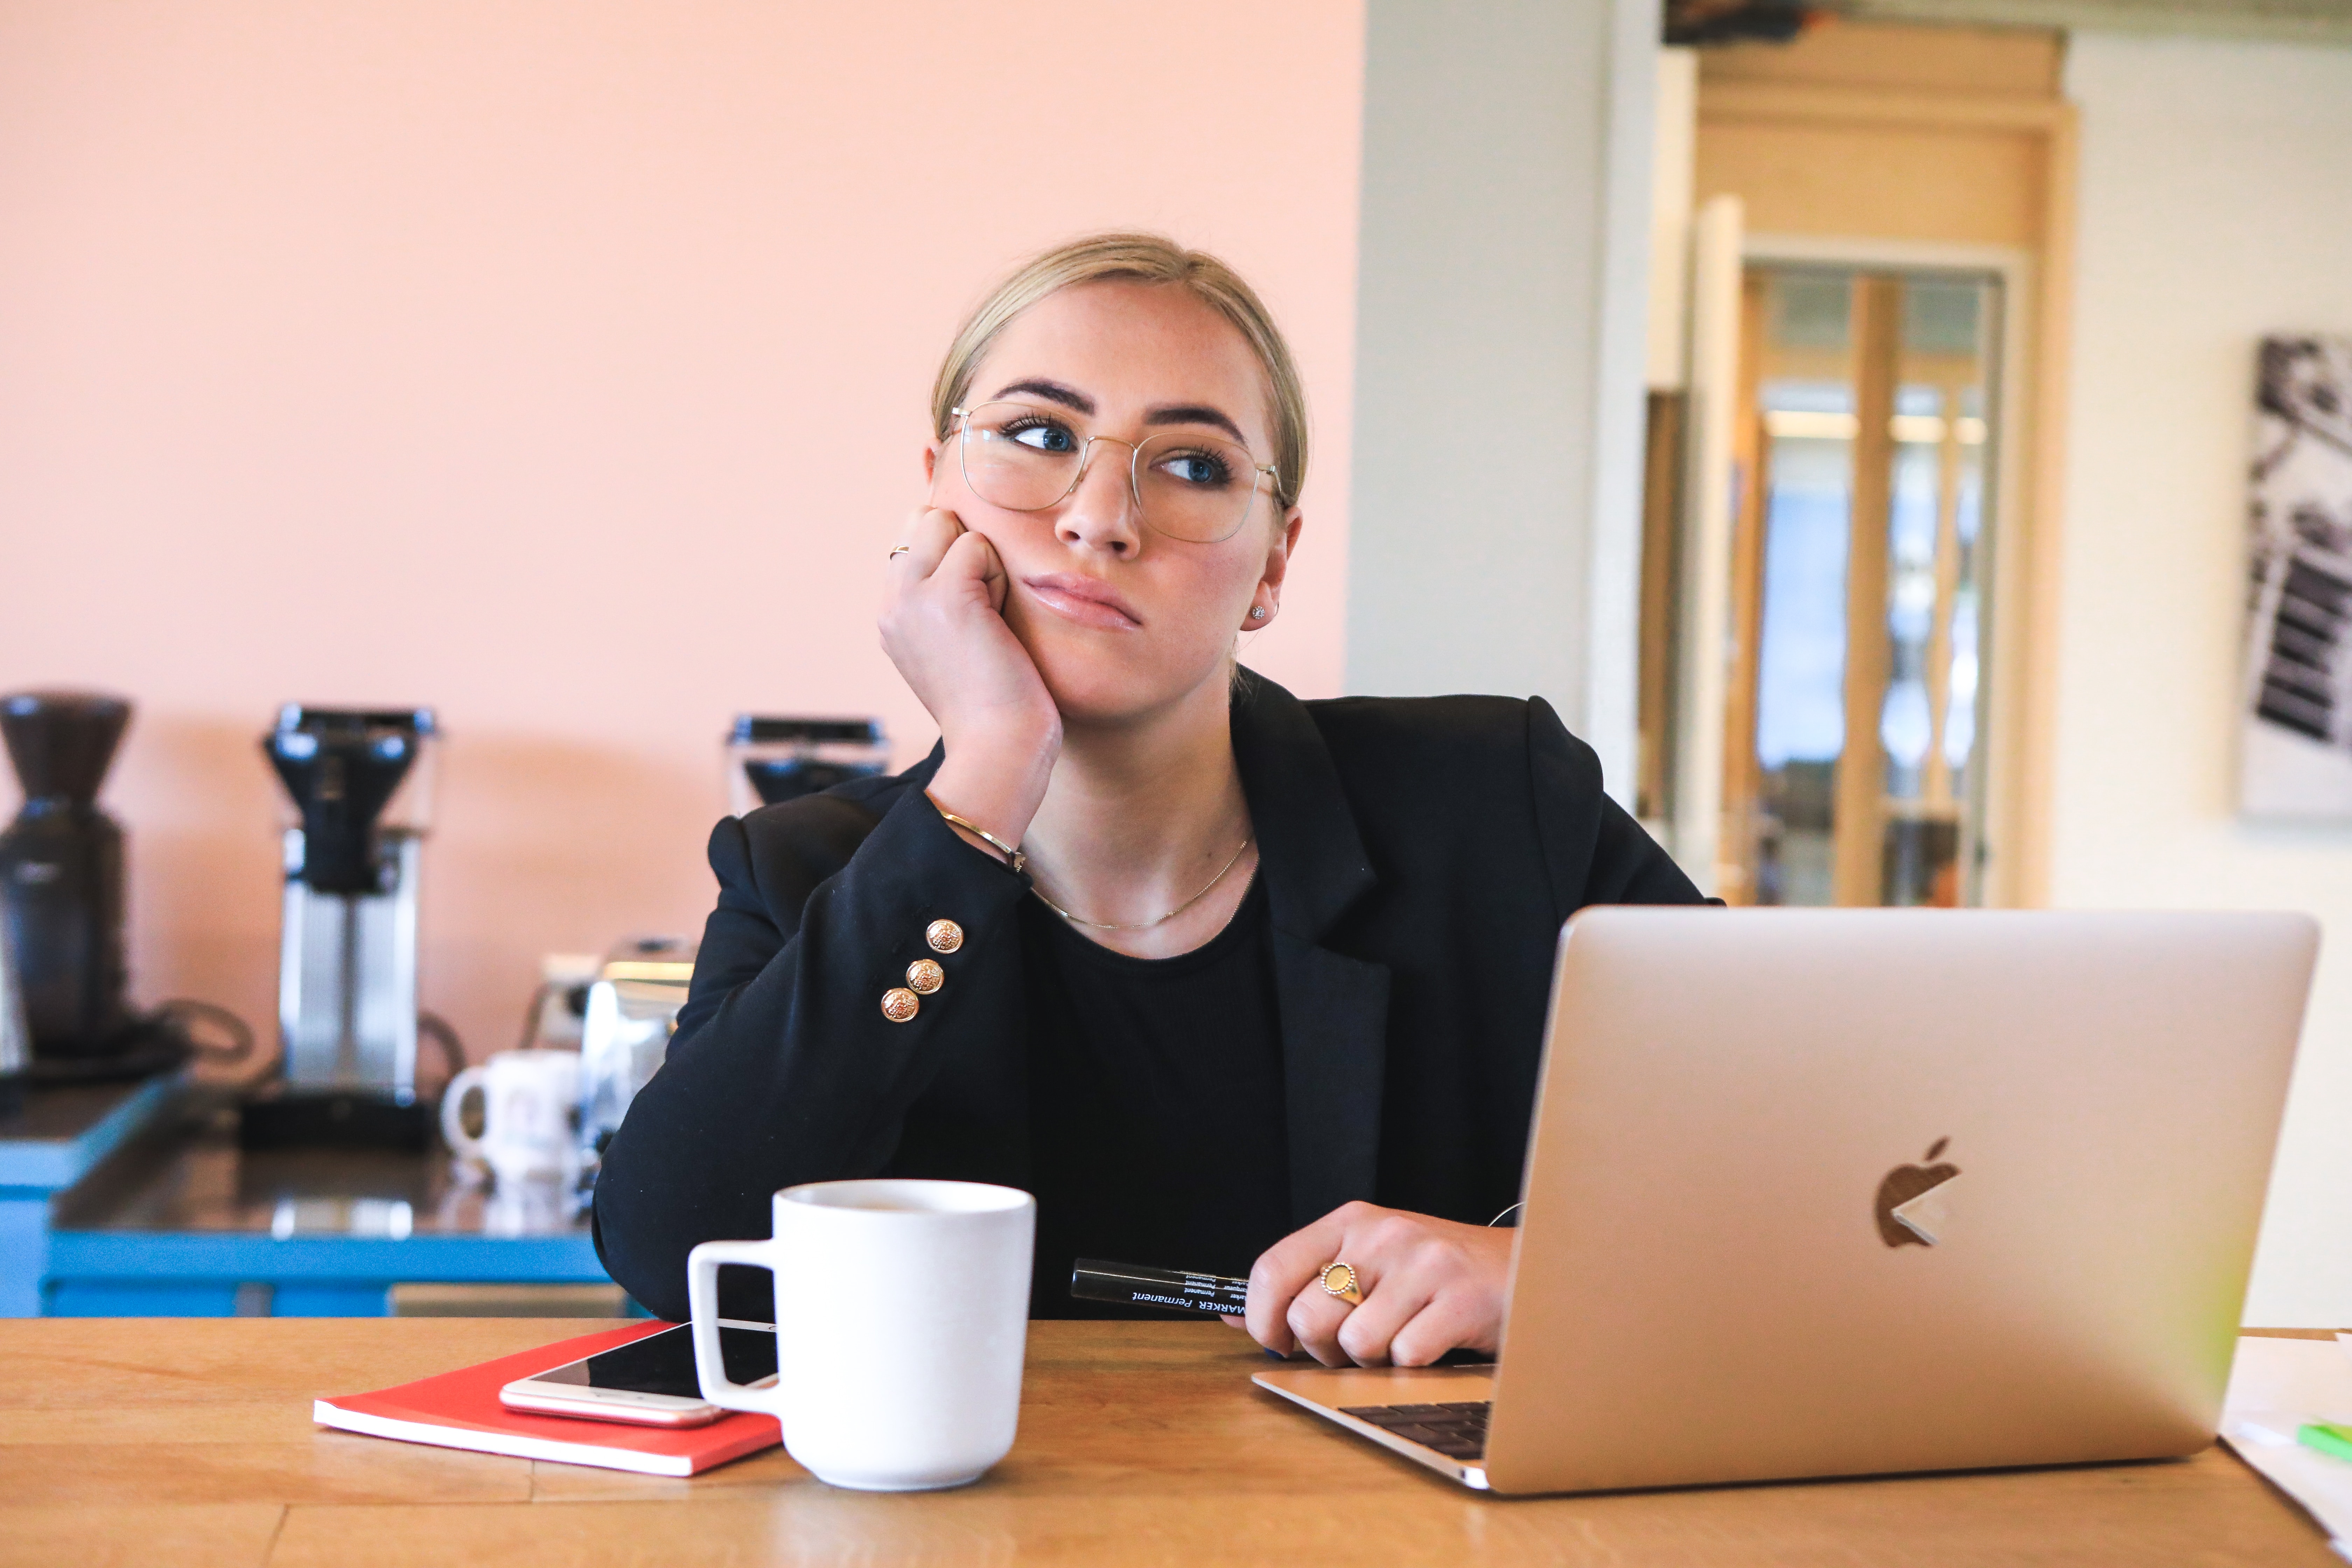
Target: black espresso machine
x=358, y=789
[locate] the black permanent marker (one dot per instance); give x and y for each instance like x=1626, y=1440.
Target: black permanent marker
x=1139, y=1285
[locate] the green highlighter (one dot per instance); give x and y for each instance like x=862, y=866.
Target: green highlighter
x=2332, y=1440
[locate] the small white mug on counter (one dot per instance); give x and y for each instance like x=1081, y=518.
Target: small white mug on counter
x=902, y=1313
x=531, y=1103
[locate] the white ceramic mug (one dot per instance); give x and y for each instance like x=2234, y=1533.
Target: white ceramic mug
x=531, y=1205
x=902, y=1313
x=531, y=1106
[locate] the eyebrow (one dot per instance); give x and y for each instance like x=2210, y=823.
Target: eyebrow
x=1167, y=413
x=1052, y=391
x=1195, y=414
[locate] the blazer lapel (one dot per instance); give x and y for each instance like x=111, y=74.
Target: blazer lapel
x=1335, y=1013
x=1333, y=1008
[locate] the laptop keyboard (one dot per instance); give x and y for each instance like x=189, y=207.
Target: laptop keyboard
x=1456, y=1431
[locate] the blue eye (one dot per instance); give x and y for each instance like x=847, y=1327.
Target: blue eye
x=1044, y=436
x=1197, y=468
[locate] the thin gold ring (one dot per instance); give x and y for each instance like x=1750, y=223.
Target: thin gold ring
x=897, y=551
x=1350, y=1292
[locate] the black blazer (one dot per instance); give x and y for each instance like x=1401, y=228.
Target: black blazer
x=1419, y=855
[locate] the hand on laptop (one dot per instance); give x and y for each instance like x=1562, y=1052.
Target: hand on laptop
x=1429, y=1285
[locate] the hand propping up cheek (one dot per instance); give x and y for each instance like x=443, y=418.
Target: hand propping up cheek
x=943, y=626
x=1429, y=1285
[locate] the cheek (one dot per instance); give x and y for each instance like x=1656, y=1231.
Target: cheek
x=1211, y=594
x=1012, y=544
x=950, y=490
x=1008, y=531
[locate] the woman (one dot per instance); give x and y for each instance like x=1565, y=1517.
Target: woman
x=1230, y=981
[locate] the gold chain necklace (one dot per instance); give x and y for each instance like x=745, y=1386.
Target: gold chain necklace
x=1147, y=925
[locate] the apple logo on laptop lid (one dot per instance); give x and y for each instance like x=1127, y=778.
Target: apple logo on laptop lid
x=1913, y=1207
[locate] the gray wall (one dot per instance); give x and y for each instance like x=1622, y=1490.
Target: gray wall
x=1495, y=498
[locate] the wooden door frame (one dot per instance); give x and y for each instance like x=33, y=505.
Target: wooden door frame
x=2026, y=441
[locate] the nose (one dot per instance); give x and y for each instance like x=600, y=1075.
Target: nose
x=1100, y=513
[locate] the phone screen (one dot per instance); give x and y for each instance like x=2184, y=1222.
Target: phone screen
x=664, y=1362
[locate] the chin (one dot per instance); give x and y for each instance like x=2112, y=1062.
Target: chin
x=1095, y=685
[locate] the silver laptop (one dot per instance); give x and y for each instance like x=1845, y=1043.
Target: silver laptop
x=1844, y=1192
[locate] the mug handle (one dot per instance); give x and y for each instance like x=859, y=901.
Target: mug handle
x=453, y=1095
x=702, y=1309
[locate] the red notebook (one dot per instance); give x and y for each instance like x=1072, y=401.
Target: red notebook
x=461, y=1410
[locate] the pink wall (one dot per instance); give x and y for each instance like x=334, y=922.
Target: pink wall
x=562, y=364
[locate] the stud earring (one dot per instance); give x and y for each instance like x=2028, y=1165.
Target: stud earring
x=1258, y=613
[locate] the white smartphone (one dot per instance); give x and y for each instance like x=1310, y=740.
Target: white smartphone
x=650, y=1382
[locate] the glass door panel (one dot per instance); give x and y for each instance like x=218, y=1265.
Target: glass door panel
x=1853, y=771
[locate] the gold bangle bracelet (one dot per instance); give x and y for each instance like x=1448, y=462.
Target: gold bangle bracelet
x=1012, y=855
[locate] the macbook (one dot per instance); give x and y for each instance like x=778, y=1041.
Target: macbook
x=1847, y=1191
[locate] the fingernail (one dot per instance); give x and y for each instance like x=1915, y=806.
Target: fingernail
x=1274, y=1355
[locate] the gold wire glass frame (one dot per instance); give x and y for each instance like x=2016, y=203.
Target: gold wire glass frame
x=1025, y=457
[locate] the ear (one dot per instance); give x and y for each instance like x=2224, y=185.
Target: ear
x=1268, y=596
x=931, y=460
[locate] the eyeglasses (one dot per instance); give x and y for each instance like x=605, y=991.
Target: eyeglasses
x=1187, y=485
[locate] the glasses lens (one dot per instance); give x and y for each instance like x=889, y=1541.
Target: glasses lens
x=1021, y=456
x=1025, y=457
x=1195, y=487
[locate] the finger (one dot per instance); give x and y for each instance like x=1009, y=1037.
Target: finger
x=1315, y=1319
x=1233, y=1320
x=1275, y=1336
x=972, y=558
x=1449, y=1322
x=931, y=531
x=1365, y=1334
x=1283, y=1269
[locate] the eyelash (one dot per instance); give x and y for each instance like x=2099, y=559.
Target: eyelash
x=1224, y=471
x=1038, y=422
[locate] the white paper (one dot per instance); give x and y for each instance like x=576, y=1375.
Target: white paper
x=326, y=1413
x=2276, y=1386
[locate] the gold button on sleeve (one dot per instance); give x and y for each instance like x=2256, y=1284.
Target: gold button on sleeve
x=945, y=936
x=923, y=977
x=898, y=1005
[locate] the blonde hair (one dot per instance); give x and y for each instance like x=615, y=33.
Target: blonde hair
x=1142, y=259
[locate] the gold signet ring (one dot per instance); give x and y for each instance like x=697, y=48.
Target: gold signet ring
x=1340, y=1280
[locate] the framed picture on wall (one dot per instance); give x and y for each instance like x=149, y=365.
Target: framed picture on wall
x=2295, y=754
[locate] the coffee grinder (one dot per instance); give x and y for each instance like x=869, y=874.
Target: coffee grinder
x=359, y=783
x=61, y=863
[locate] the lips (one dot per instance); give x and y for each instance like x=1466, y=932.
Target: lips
x=1088, y=601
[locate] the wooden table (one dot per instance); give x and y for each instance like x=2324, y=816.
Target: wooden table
x=185, y=1441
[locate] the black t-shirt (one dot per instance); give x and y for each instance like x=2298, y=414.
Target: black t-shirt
x=1156, y=1104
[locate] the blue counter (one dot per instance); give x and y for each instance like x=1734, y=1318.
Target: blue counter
x=49, y=1142
x=180, y=1222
